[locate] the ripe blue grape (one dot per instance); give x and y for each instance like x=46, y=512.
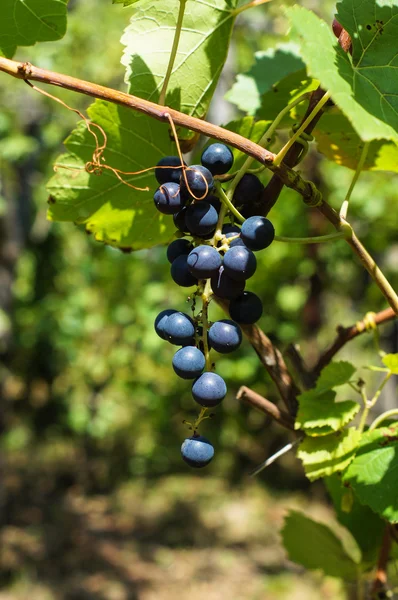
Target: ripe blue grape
x=179, y=220
x=168, y=199
x=166, y=175
x=257, y=233
x=189, y=362
x=197, y=451
x=209, y=389
x=218, y=158
x=239, y=263
x=225, y=336
x=200, y=182
x=214, y=201
x=179, y=329
x=201, y=218
x=246, y=308
x=232, y=231
x=177, y=248
x=160, y=321
x=180, y=272
x=248, y=195
x=204, y=262
x=225, y=287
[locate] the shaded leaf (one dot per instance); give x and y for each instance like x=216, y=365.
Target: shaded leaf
x=364, y=86
x=334, y=374
x=113, y=212
x=373, y=473
x=251, y=130
x=322, y=456
x=25, y=22
x=316, y=546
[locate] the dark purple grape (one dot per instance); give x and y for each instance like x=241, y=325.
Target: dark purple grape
x=180, y=272
x=204, y=262
x=200, y=182
x=218, y=158
x=214, y=201
x=166, y=175
x=160, y=322
x=246, y=309
x=225, y=336
x=257, y=233
x=177, y=248
x=225, y=287
x=209, y=389
x=201, y=218
x=189, y=362
x=167, y=198
x=248, y=195
x=197, y=451
x=179, y=329
x=240, y=263
x=179, y=220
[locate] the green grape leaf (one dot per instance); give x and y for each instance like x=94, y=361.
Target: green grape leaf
x=373, y=472
x=125, y=2
x=25, y=22
x=333, y=375
x=322, y=456
x=338, y=141
x=315, y=545
x=391, y=362
x=362, y=86
x=268, y=69
x=368, y=538
x=251, y=130
x=201, y=54
x=113, y=212
x=319, y=414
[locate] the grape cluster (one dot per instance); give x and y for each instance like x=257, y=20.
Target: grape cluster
x=216, y=256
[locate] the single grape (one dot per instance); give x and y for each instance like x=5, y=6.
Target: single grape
x=246, y=308
x=189, y=362
x=225, y=336
x=179, y=220
x=166, y=175
x=248, y=195
x=209, y=389
x=180, y=272
x=177, y=248
x=201, y=218
x=160, y=321
x=204, y=262
x=200, y=182
x=168, y=199
x=232, y=231
x=225, y=287
x=218, y=158
x=197, y=451
x=179, y=329
x=214, y=201
x=240, y=263
x=257, y=233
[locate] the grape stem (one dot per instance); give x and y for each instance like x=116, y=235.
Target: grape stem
x=227, y=202
x=282, y=153
x=383, y=417
x=311, y=240
x=173, y=53
x=206, y=297
x=369, y=404
x=361, y=162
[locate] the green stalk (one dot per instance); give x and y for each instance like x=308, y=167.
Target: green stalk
x=227, y=202
x=282, y=153
x=252, y=4
x=206, y=297
x=370, y=403
x=344, y=206
x=383, y=417
x=173, y=53
x=320, y=239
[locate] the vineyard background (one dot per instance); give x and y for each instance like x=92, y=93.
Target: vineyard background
x=95, y=501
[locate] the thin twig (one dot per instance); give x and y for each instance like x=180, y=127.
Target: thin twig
x=266, y=406
x=295, y=359
x=345, y=334
x=380, y=580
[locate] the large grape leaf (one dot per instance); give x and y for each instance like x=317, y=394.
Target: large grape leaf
x=202, y=51
x=319, y=414
x=317, y=546
x=333, y=375
x=25, y=22
x=364, y=86
x=373, y=473
x=269, y=68
x=322, y=456
x=112, y=211
x=368, y=538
